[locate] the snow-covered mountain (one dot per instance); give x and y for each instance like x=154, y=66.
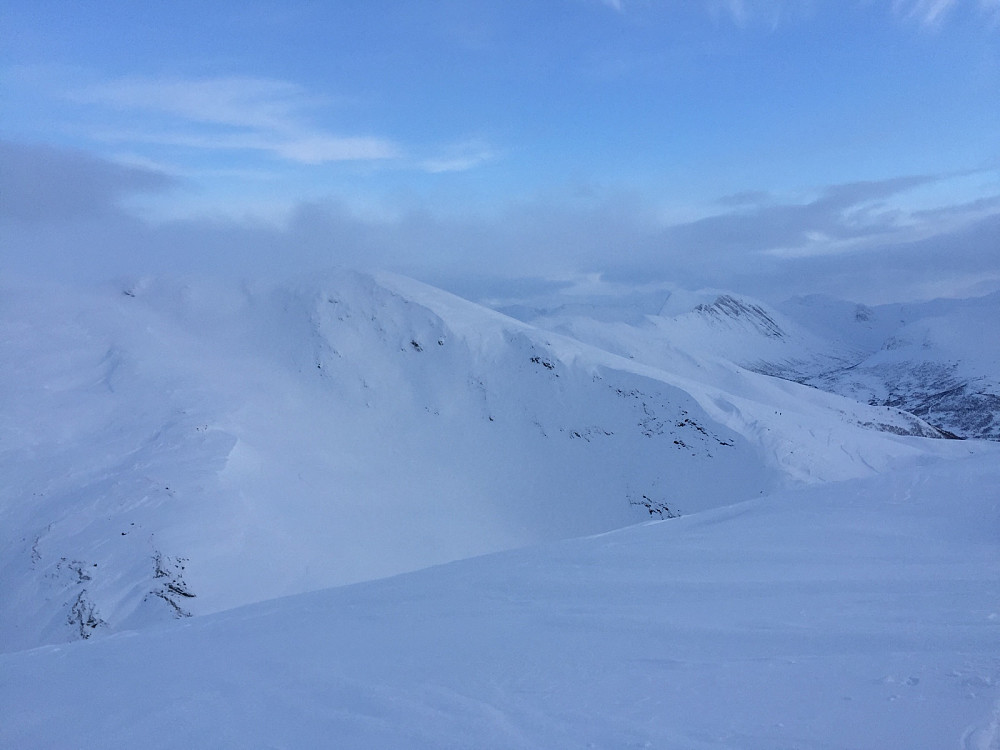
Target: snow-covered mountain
x=938, y=360
x=711, y=555
x=174, y=449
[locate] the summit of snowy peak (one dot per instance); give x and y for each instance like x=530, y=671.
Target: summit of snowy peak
x=732, y=309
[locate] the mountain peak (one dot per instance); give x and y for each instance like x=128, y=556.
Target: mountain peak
x=728, y=307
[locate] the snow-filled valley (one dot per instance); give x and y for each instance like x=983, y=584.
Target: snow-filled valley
x=723, y=526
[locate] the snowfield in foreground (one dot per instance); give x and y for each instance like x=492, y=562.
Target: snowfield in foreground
x=857, y=614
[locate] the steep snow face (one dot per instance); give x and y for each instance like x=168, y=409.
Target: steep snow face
x=852, y=616
x=728, y=309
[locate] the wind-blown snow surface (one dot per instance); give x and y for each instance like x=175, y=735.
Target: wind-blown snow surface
x=862, y=614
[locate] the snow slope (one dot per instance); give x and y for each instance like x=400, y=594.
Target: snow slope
x=174, y=448
x=859, y=615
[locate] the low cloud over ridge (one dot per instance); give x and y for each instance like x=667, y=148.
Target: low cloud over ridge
x=63, y=212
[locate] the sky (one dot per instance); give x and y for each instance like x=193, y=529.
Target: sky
x=771, y=147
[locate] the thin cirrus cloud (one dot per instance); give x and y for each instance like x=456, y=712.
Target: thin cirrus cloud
x=303, y=148
x=252, y=114
x=927, y=13
x=262, y=115
x=740, y=12
x=460, y=157
x=933, y=13
x=258, y=103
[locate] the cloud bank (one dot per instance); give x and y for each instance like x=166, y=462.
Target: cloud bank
x=43, y=184
x=66, y=214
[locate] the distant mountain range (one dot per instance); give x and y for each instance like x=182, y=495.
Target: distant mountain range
x=937, y=360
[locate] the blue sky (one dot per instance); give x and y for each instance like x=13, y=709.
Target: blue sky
x=771, y=146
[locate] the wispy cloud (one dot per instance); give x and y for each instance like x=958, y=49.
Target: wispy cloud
x=460, y=157
x=735, y=9
x=304, y=148
x=258, y=103
x=263, y=115
x=926, y=12
x=744, y=13
x=257, y=114
x=933, y=13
